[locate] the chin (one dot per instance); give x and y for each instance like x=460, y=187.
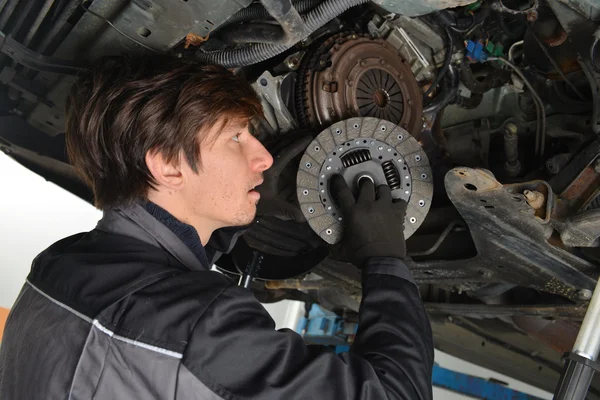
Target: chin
x=244, y=217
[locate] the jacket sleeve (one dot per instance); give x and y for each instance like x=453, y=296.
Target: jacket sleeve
x=236, y=353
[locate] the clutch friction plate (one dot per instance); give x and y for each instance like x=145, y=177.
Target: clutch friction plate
x=359, y=148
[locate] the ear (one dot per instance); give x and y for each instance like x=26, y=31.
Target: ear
x=167, y=174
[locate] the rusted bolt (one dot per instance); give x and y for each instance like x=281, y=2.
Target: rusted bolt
x=363, y=63
x=382, y=61
x=597, y=166
x=534, y=198
x=584, y=294
x=532, y=16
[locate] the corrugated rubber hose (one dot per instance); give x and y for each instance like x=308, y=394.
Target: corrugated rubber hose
x=258, y=52
x=258, y=12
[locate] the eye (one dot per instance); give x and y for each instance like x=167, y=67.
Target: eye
x=236, y=138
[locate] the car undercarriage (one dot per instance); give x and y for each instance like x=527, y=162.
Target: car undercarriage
x=483, y=115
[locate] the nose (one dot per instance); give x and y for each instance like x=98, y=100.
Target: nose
x=260, y=158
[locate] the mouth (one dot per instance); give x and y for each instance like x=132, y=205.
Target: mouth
x=255, y=187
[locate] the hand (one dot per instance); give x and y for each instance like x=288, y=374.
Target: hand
x=374, y=223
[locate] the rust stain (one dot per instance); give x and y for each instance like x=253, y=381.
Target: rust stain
x=578, y=193
x=191, y=39
x=558, y=335
x=3, y=317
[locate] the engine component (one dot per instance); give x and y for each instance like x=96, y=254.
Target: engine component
x=277, y=114
x=352, y=75
x=415, y=41
x=512, y=166
x=359, y=148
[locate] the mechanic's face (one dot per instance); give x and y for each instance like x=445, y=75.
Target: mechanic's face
x=231, y=166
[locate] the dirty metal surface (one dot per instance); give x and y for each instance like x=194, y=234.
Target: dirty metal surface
x=351, y=75
x=382, y=144
x=511, y=242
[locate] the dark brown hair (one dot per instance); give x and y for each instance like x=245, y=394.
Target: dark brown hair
x=126, y=107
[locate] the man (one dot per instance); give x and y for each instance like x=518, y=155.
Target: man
x=131, y=310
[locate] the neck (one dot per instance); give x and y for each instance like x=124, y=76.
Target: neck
x=204, y=226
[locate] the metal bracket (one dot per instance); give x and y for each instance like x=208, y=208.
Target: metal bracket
x=9, y=77
x=511, y=241
x=277, y=114
x=35, y=61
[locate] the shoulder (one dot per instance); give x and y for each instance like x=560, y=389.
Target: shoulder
x=165, y=312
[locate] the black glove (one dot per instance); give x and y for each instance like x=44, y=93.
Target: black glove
x=373, y=224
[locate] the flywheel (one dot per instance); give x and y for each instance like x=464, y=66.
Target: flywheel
x=363, y=148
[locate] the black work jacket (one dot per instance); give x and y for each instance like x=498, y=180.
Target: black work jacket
x=128, y=311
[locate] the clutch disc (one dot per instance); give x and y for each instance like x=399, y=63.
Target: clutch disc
x=363, y=148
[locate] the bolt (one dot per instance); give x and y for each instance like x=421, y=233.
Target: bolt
x=511, y=129
x=584, y=294
x=597, y=166
x=322, y=63
x=534, y=199
x=532, y=16
x=363, y=63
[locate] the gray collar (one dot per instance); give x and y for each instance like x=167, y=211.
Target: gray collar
x=134, y=221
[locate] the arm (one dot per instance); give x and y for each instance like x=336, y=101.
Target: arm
x=235, y=351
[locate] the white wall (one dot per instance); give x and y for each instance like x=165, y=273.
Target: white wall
x=34, y=214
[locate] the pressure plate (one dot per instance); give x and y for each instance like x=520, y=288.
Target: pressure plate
x=353, y=75
x=363, y=148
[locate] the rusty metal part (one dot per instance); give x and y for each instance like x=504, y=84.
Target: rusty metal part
x=557, y=39
x=558, y=335
x=534, y=198
x=353, y=75
x=192, y=39
x=580, y=192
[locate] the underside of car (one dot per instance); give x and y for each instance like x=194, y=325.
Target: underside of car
x=483, y=115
